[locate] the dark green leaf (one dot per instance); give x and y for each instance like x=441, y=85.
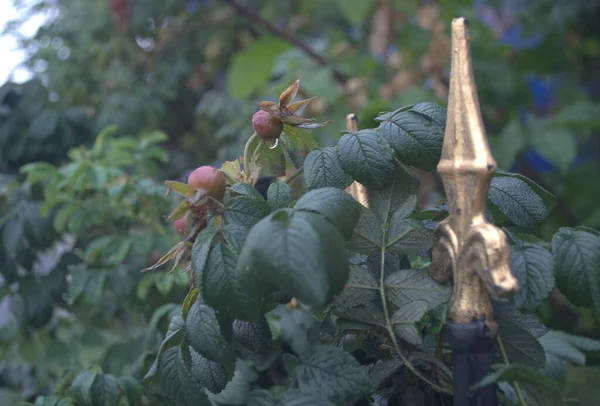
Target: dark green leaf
x=332, y=373
x=37, y=302
x=532, y=266
x=132, y=389
x=172, y=338
x=254, y=336
x=322, y=168
x=577, y=266
x=251, y=68
x=206, y=373
x=296, y=253
x=517, y=201
x=43, y=126
x=520, y=345
x=237, y=390
x=367, y=238
x=189, y=386
x=558, y=145
x=521, y=373
x=105, y=391
x=562, y=348
x=335, y=205
x=82, y=386
x=383, y=370
x=279, y=195
x=217, y=281
x=246, y=211
x=405, y=286
x=247, y=190
x=204, y=335
x=367, y=158
x=416, y=134
x=361, y=288
x=407, y=235
x=404, y=320
x=200, y=252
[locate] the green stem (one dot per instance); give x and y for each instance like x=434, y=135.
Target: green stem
x=439, y=346
x=247, y=155
x=386, y=314
x=514, y=384
x=294, y=175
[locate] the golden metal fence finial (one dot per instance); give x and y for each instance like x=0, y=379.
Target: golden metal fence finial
x=356, y=190
x=467, y=248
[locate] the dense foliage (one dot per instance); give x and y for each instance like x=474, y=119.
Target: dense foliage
x=301, y=296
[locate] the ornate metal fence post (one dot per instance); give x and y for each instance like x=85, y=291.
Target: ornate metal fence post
x=466, y=247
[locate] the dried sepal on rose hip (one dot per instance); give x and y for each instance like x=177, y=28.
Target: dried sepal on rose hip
x=268, y=122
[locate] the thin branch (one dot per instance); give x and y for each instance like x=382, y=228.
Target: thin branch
x=258, y=19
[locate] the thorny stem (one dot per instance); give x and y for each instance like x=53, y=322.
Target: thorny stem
x=247, y=155
x=388, y=322
x=514, y=384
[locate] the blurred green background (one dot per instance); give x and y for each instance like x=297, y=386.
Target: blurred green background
x=172, y=84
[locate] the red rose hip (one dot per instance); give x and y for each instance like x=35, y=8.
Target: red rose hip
x=210, y=180
x=266, y=126
x=180, y=224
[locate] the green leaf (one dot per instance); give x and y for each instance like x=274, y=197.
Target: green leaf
x=361, y=288
x=208, y=374
x=297, y=253
x=355, y=11
x=187, y=374
x=405, y=286
x=168, y=373
x=520, y=373
x=557, y=145
x=218, y=281
x=332, y=373
x=367, y=237
x=382, y=371
x=291, y=326
x=204, y=335
x=105, y=391
x=517, y=201
x=271, y=161
x=367, y=158
x=279, y=195
x=200, y=252
x=132, y=389
x=172, y=338
x=291, y=397
x=322, y=168
x=246, y=211
x=82, y=387
x=582, y=385
x=237, y=390
x=407, y=235
x=519, y=333
x=251, y=68
x=37, y=302
x=416, y=133
x=182, y=189
x=577, y=266
x=562, y=349
x=337, y=206
x=254, y=336
x=386, y=202
x=247, y=190
x=532, y=266
x=404, y=320
x=297, y=141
